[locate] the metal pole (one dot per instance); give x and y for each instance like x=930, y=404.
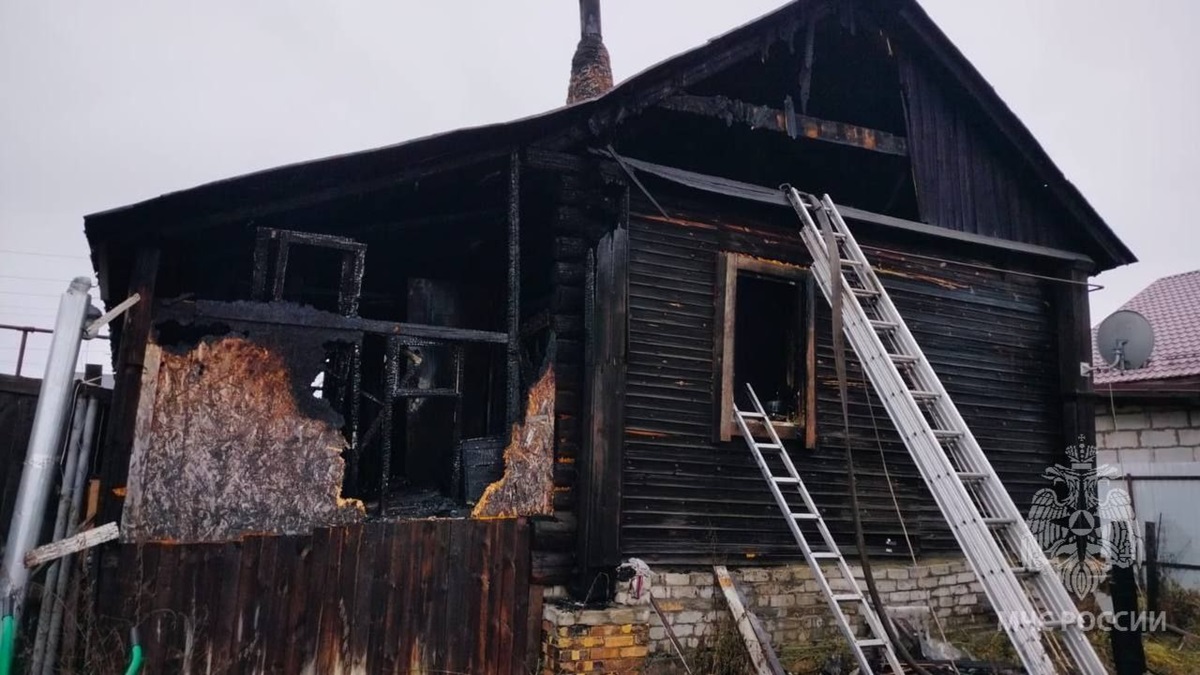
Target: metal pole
x=21, y=351
x=60, y=528
x=79, y=486
x=37, y=476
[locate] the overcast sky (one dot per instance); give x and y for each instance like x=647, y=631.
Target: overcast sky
x=107, y=103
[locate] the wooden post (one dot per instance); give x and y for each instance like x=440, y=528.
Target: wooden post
x=600, y=466
x=1152, y=567
x=762, y=656
x=131, y=349
x=513, y=399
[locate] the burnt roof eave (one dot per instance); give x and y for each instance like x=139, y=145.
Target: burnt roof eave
x=605, y=109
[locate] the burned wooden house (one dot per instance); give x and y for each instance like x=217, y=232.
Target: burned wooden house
x=553, y=319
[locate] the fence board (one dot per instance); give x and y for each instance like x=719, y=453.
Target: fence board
x=418, y=596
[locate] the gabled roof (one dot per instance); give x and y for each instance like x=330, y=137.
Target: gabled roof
x=1172, y=306
x=904, y=18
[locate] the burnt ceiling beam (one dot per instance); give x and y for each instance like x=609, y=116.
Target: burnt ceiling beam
x=786, y=121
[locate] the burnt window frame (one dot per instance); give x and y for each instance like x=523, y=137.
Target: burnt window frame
x=729, y=265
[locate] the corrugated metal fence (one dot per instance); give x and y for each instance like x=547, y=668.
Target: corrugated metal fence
x=429, y=596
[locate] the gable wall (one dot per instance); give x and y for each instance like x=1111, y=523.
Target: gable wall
x=964, y=181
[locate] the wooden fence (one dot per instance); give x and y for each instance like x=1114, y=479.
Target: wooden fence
x=428, y=596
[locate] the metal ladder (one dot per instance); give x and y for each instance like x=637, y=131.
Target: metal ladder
x=1026, y=593
x=837, y=600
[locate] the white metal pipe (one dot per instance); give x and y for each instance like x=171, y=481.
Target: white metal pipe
x=60, y=527
x=49, y=420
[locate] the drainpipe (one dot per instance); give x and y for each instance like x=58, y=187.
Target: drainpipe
x=46, y=437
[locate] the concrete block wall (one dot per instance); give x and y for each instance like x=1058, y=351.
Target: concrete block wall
x=1137, y=434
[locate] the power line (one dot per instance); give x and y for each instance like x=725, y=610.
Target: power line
x=32, y=295
x=43, y=255
x=57, y=280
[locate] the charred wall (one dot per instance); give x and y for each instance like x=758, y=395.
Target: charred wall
x=688, y=499
x=227, y=443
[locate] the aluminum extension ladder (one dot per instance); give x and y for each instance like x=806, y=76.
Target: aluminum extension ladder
x=830, y=552
x=1026, y=593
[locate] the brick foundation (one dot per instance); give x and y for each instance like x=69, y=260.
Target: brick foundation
x=785, y=599
x=612, y=640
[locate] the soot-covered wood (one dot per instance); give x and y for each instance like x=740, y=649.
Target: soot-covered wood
x=601, y=461
x=687, y=499
x=223, y=448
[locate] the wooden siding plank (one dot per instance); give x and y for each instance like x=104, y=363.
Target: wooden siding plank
x=687, y=499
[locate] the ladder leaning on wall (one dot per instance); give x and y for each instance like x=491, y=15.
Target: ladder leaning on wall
x=1029, y=599
x=781, y=485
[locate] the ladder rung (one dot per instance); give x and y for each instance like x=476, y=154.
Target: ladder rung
x=847, y=597
x=825, y=555
x=883, y=325
x=768, y=446
x=998, y=522
x=902, y=358
x=971, y=475
x=924, y=394
x=805, y=516
x=751, y=415
x=785, y=480
x=946, y=434
x=1025, y=572
x=871, y=642
x=865, y=292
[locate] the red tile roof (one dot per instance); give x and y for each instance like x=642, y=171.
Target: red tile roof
x=1172, y=306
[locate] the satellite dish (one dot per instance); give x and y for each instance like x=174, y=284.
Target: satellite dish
x=1125, y=340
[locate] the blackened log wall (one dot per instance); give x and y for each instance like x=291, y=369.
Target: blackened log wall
x=687, y=499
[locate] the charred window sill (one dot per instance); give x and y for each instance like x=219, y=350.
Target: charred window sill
x=785, y=430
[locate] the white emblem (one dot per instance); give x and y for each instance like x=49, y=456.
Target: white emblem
x=1083, y=536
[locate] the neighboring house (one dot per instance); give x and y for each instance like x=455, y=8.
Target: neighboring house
x=1148, y=421
x=1152, y=414
x=607, y=277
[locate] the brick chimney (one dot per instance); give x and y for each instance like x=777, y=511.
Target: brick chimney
x=591, y=73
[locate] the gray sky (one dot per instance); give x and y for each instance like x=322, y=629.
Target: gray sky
x=107, y=103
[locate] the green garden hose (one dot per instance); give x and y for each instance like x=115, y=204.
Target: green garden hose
x=8, y=639
x=135, y=660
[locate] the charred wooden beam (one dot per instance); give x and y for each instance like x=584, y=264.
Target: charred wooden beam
x=514, y=289
x=786, y=121
x=130, y=345
x=391, y=380
x=288, y=314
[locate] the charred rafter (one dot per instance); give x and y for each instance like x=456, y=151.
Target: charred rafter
x=786, y=121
